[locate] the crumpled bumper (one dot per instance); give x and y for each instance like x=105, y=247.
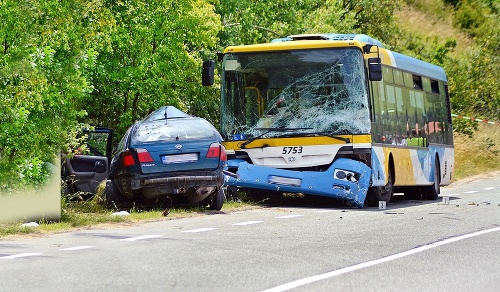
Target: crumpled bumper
x=345, y=179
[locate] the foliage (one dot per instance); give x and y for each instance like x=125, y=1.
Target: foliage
x=475, y=89
x=154, y=60
x=248, y=22
x=65, y=65
x=473, y=72
x=46, y=47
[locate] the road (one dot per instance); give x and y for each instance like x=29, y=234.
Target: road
x=410, y=246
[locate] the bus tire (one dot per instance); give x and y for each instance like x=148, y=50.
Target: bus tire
x=376, y=194
x=432, y=192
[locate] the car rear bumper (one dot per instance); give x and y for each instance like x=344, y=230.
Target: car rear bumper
x=157, y=185
x=183, y=181
x=178, y=181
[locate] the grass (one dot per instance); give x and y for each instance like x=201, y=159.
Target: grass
x=83, y=214
x=430, y=19
x=478, y=154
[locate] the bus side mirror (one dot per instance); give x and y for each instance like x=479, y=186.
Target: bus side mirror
x=207, y=75
x=374, y=69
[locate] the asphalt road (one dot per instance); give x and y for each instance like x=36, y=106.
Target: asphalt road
x=410, y=246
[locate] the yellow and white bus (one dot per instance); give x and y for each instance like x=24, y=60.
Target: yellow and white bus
x=335, y=115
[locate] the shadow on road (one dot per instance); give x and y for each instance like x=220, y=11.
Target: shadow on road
x=276, y=199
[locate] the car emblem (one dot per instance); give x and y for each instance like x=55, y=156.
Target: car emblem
x=178, y=146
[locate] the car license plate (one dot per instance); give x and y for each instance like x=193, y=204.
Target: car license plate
x=180, y=158
x=280, y=180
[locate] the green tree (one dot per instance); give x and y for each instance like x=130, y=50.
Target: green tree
x=247, y=22
x=154, y=59
x=46, y=48
x=474, y=76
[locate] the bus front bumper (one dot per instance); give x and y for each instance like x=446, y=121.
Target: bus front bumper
x=345, y=179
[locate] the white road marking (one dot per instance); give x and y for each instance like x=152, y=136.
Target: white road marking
x=21, y=255
x=141, y=237
x=488, y=189
x=331, y=274
x=247, y=223
x=198, y=230
x=471, y=192
x=324, y=211
x=453, y=195
x=288, y=216
x=78, y=247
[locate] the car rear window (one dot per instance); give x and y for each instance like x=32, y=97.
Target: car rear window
x=173, y=129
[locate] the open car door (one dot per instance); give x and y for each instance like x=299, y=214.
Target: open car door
x=85, y=172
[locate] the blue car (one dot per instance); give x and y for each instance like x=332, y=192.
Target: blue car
x=169, y=157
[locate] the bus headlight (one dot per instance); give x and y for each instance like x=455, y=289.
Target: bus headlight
x=346, y=175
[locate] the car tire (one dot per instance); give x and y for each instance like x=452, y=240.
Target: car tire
x=218, y=200
x=112, y=197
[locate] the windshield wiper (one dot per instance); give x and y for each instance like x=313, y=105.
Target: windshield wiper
x=269, y=130
x=168, y=118
x=331, y=135
x=328, y=134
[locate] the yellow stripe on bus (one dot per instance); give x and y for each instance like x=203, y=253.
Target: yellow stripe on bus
x=297, y=141
x=309, y=44
x=403, y=166
x=297, y=45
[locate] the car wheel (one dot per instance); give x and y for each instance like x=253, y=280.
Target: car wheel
x=217, y=200
x=112, y=197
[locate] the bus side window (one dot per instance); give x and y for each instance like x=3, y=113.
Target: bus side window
x=388, y=76
x=434, y=87
x=417, y=82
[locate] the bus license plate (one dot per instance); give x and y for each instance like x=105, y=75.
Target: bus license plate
x=280, y=180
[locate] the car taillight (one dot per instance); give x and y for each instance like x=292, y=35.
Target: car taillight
x=144, y=156
x=223, y=154
x=217, y=151
x=128, y=159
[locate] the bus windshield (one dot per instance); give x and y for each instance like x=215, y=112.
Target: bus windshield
x=316, y=90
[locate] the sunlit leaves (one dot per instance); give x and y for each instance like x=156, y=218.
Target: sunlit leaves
x=155, y=58
x=46, y=50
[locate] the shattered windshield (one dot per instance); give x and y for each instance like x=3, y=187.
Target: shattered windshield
x=320, y=90
x=173, y=130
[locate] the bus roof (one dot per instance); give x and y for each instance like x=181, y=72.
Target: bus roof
x=416, y=66
x=318, y=41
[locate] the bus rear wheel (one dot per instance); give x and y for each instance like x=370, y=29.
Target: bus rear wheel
x=376, y=194
x=432, y=192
